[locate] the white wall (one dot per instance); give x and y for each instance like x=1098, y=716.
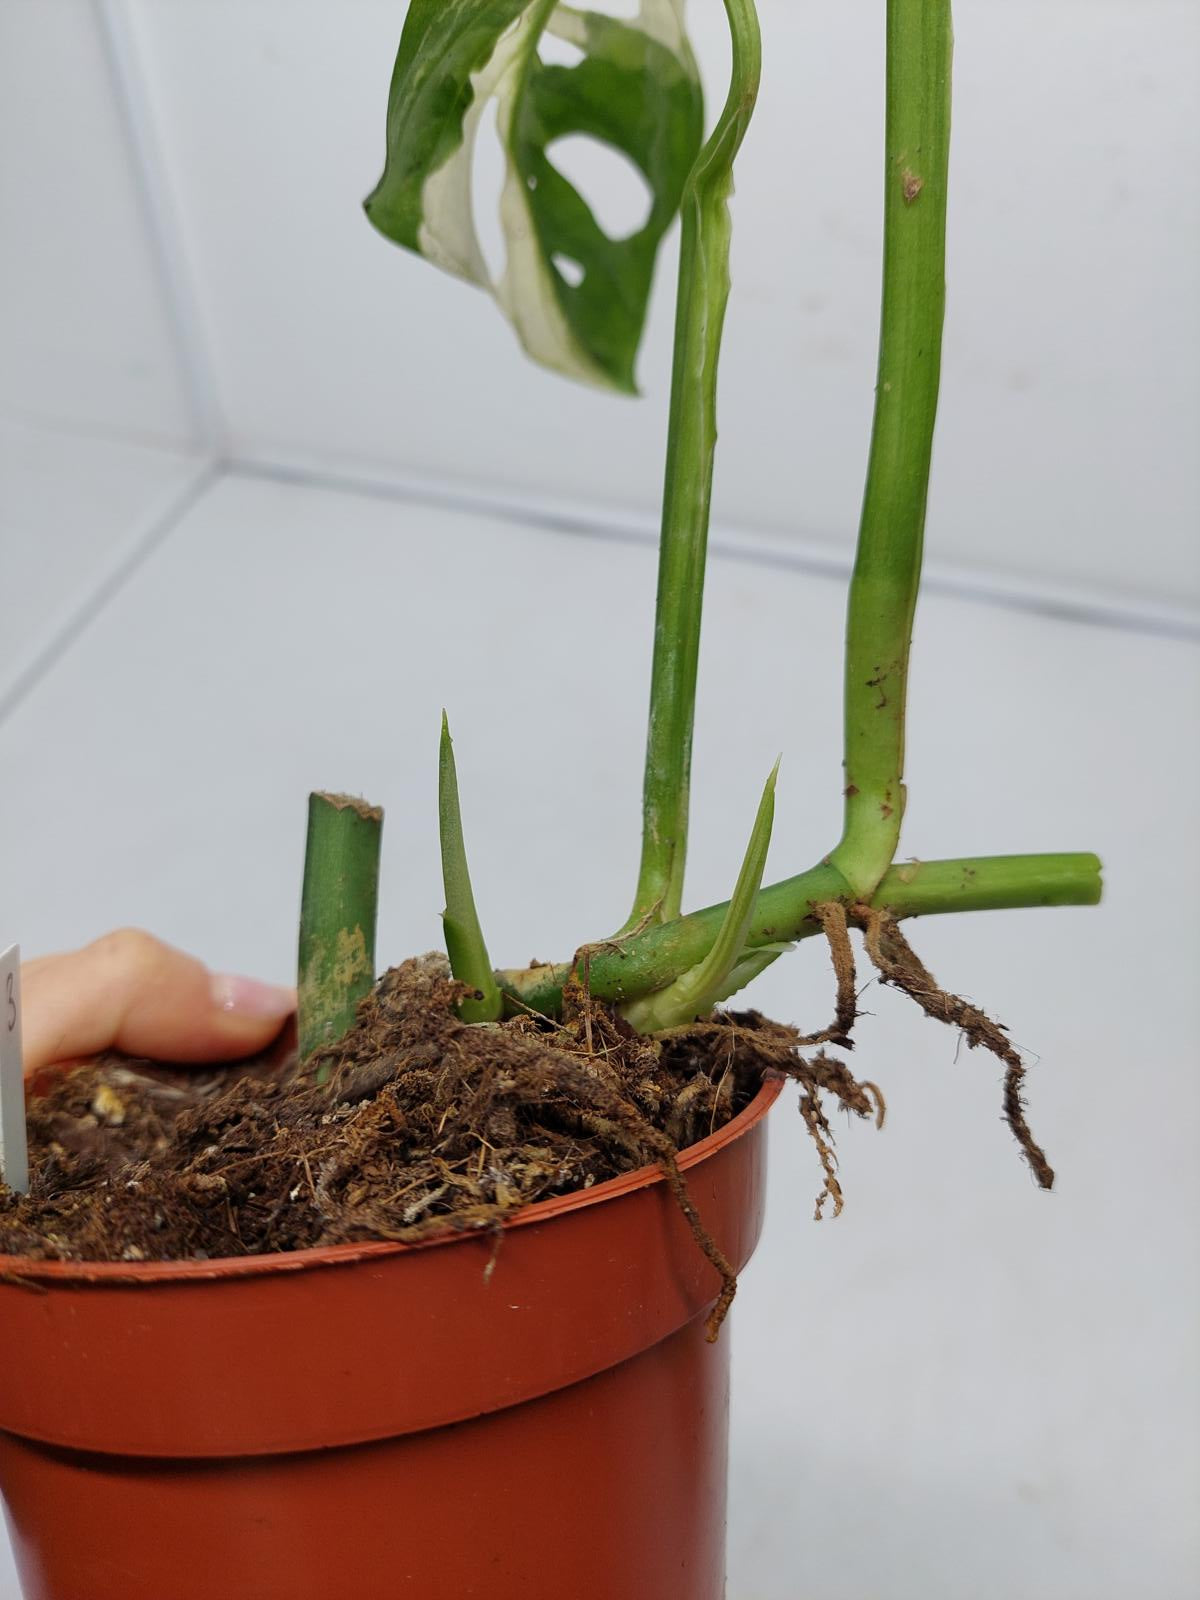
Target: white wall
x=97, y=426
x=1071, y=399
x=85, y=334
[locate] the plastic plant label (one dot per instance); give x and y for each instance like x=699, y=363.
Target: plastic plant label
x=14, y=1149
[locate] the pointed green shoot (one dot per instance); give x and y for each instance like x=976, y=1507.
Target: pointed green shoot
x=697, y=991
x=464, y=937
x=336, y=965
x=755, y=959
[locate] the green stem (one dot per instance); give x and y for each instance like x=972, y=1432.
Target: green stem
x=887, y=568
x=624, y=969
x=691, y=441
x=337, y=916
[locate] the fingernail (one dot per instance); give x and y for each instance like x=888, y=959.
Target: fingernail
x=247, y=997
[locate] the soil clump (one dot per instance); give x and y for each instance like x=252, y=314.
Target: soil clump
x=414, y=1123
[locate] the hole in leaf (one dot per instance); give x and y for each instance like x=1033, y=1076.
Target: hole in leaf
x=487, y=180
x=568, y=269
x=616, y=8
x=615, y=190
x=556, y=52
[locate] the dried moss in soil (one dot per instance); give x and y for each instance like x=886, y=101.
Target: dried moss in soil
x=417, y=1123
x=422, y=1124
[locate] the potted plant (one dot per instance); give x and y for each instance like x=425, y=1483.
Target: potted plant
x=433, y=1306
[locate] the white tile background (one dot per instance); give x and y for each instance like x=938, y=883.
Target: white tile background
x=85, y=321
x=962, y=1386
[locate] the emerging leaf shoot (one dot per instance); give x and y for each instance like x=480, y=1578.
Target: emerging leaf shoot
x=696, y=992
x=464, y=937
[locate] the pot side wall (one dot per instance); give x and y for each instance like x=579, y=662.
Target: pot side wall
x=545, y=1419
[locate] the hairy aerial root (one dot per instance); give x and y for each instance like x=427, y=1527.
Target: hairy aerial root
x=641, y=1133
x=899, y=965
x=831, y=914
x=596, y=1028
x=778, y=1048
x=822, y=1074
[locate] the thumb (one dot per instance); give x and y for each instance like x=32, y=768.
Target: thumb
x=129, y=991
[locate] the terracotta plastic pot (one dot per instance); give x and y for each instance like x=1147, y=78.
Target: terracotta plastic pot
x=538, y=1419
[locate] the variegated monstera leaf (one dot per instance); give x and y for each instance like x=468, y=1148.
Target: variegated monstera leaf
x=635, y=87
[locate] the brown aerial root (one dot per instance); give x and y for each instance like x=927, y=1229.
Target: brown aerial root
x=831, y=914
x=776, y=1049
x=899, y=965
x=669, y=1158
x=600, y=1025
x=773, y=1048
x=824, y=1074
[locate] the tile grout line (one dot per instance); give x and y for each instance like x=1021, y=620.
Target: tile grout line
x=1029, y=596
x=177, y=283
x=615, y=528
x=192, y=359
x=78, y=618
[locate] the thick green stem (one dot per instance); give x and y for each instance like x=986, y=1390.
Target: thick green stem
x=691, y=441
x=623, y=969
x=337, y=916
x=887, y=568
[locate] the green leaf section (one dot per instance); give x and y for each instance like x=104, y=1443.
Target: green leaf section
x=464, y=937
x=444, y=46
x=635, y=88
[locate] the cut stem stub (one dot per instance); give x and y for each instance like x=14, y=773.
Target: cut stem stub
x=336, y=965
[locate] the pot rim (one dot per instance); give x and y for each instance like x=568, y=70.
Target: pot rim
x=80, y=1274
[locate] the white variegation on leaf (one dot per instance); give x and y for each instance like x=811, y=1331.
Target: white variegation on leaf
x=447, y=235
x=634, y=87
